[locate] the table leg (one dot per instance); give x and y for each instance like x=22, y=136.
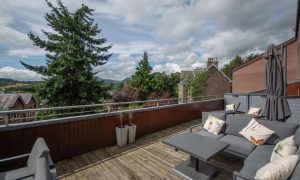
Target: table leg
x=197, y=165
x=195, y=169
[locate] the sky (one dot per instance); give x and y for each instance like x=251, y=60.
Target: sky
x=177, y=34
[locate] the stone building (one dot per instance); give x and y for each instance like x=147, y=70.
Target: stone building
x=217, y=84
x=16, y=102
x=250, y=76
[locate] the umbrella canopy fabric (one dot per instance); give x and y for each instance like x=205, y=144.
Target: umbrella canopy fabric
x=277, y=108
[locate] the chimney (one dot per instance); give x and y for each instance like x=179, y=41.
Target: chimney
x=212, y=61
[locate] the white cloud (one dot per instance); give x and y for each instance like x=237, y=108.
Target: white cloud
x=180, y=33
x=19, y=74
x=25, y=53
x=135, y=47
x=117, y=70
x=167, y=68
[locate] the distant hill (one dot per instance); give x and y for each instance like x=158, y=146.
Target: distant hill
x=109, y=81
x=6, y=82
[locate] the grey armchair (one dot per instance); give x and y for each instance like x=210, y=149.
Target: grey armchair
x=43, y=172
x=39, y=150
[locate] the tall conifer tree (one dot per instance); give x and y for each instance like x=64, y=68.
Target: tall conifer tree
x=143, y=77
x=72, y=51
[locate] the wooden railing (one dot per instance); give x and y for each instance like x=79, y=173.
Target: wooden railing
x=70, y=137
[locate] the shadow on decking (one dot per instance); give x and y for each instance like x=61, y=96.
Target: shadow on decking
x=147, y=158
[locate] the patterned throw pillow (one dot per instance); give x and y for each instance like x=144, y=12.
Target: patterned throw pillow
x=256, y=133
x=229, y=107
x=283, y=148
x=254, y=111
x=280, y=169
x=213, y=125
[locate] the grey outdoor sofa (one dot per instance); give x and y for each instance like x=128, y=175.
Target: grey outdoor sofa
x=242, y=102
x=36, y=167
x=255, y=156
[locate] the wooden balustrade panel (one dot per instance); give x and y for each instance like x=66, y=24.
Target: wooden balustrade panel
x=67, y=139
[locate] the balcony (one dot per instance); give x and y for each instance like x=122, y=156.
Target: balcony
x=147, y=158
x=83, y=146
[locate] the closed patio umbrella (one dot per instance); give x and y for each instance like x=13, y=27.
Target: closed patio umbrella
x=277, y=108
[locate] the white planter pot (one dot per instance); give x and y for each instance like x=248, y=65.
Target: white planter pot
x=131, y=133
x=121, y=135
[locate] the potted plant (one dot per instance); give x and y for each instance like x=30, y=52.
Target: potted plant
x=121, y=131
x=131, y=129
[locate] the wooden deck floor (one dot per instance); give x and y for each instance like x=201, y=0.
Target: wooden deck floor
x=147, y=158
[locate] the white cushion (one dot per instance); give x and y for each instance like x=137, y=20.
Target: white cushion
x=279, y=169
x=254, y=111
x=283, y=148
x=256, y=133
x=229, y=107
x=213, y=125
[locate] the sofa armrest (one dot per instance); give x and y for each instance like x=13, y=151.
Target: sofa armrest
x=241, y=176
x=14, y=158
x=194, y=126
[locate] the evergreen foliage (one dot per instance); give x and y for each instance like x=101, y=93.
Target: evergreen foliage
x=72, y=51
x=143, y=77
x=237, y=61
x=228, y=68
x=195, y=85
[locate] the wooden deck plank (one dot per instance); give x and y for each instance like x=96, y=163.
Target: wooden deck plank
x=147, y=158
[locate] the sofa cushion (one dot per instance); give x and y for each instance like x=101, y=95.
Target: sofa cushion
x=238, y=144
x=283, y=148
x=229, y=107
x=261, y=155
x=234, y=125
x=278, y=169
x=218, y=114
x=203, y=132
x=256, y=133
x=257, y=159
x=297, y=136
x=213, y=125
x=282, y=130
x=250, y=169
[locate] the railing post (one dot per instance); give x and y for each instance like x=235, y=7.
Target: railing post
x=108, y=109
x=157, y=104
x=6, y=121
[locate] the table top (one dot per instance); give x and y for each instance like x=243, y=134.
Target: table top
x=200, y=147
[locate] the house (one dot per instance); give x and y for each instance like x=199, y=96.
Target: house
x=250, y=76
x=17, y=102
x=217, y=84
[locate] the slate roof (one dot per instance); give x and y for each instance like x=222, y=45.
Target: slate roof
x=26, y=97
x=8, y=100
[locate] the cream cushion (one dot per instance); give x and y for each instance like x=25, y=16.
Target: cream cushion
x=281, y=169
x=254, y=111
x=229, y=107
x=283, y=148
x=213, y=125
x=256, y=133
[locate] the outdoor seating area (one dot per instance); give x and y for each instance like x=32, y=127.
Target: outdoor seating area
x=39, y=164
x=230, y=139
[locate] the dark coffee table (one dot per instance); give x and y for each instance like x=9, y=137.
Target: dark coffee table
x=201, y=149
